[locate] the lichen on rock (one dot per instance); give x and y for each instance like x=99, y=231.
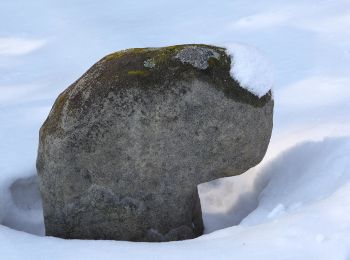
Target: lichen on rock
x=197, y=56
x=149, y=63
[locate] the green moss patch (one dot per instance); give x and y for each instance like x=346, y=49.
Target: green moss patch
x=124, y=67
x=142, y=73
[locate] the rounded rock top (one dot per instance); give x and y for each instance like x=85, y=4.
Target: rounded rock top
x=235, y=70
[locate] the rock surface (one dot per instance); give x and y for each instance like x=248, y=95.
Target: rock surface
x=125, y=146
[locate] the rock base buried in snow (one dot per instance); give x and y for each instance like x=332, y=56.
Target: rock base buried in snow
x=312, y=175
x=125, y=146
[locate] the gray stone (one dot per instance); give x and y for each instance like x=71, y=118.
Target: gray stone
x=125, y=146
x=197, y=56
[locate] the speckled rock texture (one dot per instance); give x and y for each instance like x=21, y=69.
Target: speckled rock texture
x=125, y=146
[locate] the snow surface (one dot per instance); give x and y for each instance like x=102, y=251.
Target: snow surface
x=301, y=213
x=251, y=68
x=294, y=205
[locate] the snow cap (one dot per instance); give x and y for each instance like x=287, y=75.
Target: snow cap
x=251, y=68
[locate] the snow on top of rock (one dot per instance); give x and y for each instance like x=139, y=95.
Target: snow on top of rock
x=251, y=68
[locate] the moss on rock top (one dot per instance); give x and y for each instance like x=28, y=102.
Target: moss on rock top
x=156, y=69
x=154, y=66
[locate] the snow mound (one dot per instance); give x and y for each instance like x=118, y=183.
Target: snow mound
x=251, y=68
x=303, y=175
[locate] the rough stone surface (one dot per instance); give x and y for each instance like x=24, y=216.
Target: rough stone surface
x=125, y=146
x=197, y=56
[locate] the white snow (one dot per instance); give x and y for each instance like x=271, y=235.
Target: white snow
x=251, y=68
x=294, y=205
x=12, y=46
x=320, y=238
x=277, y=211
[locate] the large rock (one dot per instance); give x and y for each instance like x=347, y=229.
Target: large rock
x=125, y=146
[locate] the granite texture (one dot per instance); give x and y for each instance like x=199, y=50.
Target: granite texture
x=125, y=146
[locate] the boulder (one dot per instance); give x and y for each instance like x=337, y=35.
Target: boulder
x=125, y=146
